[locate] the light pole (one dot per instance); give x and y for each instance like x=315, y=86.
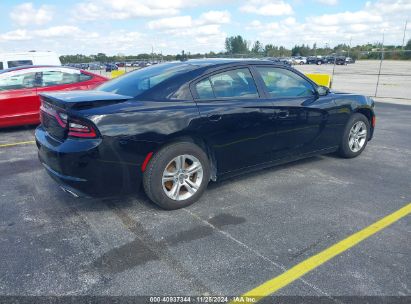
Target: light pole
x=403, y=37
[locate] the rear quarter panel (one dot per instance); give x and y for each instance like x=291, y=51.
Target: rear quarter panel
x=132, y=129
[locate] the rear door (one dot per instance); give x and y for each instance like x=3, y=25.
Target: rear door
x=237, y=121
x=19, y=103
x=303, y=119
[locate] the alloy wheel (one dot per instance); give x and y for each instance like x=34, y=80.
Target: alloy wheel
x=182, y=177
x=357, y=136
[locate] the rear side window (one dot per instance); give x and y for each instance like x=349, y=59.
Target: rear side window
x=1, y=65
x=204, y=89
x=284, y=83
x=84, y=77
x=17, y=63
x=139, y=81
x=51, y=78
x=236, y=83
x=22, y=81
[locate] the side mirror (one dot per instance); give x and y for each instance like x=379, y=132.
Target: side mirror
x=322, y=90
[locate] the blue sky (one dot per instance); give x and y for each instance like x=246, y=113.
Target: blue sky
x=135, y=26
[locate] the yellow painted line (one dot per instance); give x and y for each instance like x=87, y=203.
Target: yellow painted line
x=17, y=143
x=313, y=262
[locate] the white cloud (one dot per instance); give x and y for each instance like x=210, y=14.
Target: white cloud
x=215, y=17
x=125, y=9
x=26, y=14
x=267, y=7
x=17, y=35
x=178, y=29
x=172, y=22
x=58, y=31
x=362, y=26
x=207, y=18
x=54, y=32
x=328, y=2
x=197, y=34
x=346, y=18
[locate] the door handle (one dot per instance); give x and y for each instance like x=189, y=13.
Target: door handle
x=214, y=117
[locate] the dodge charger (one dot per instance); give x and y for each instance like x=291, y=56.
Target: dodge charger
x=174, y=127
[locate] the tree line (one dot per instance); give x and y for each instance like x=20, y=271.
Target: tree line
x=237, y=46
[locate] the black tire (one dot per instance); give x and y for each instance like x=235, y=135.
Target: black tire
x=345, y=150
x=152, y=178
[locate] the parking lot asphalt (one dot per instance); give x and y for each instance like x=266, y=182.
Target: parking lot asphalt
x=241, y=233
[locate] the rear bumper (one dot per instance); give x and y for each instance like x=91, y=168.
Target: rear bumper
x=86, y=167
x=73, y=185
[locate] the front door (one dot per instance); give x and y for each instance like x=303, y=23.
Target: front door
x=19, y=103
x=236, y=121
x=302, y=117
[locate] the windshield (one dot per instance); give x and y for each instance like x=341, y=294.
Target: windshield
x=137, y=82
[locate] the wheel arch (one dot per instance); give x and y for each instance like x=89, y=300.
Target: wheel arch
x=366, y=112
x=199, y=141
x=369, y=113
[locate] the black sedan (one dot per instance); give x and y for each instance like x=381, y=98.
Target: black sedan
x=173, y=127
x=316, y=60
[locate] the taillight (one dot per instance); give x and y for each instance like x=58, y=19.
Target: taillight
x=373, y=121
x=80, y=129
x=75, y=127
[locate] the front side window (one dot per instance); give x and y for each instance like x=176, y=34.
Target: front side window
x=284, y=83
x=17, y=63
x=1, y=65
x=20, y=81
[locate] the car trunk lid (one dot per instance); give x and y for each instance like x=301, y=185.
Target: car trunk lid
x=59, y=112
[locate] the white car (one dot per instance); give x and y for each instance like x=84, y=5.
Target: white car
x=300, y=60
x=12, y=60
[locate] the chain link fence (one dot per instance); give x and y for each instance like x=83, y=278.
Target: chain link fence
x=379, y=73
x=385, y=77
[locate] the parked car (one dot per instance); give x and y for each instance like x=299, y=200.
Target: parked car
x=278, y=60
x=299, y=60
x=175, y=126
x=94, y=66
x=340, y=60
x=12, y=60
x=286, y=60
x=349, y=60
x=316, y=60
x=329, y=59
x=20, y=88
x=111, y=67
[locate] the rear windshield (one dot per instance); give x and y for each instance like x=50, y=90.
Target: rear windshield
x=137, y=82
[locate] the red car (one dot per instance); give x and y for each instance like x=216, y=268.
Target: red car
x=20, y=88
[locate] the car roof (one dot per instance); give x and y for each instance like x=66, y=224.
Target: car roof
x=25, y=67
x=209, y=62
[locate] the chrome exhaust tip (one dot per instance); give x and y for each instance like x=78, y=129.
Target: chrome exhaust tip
x=69, y=191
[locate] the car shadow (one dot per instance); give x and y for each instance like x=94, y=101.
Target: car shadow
x=138, y=199
x=17, y=129
x=255, y=174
